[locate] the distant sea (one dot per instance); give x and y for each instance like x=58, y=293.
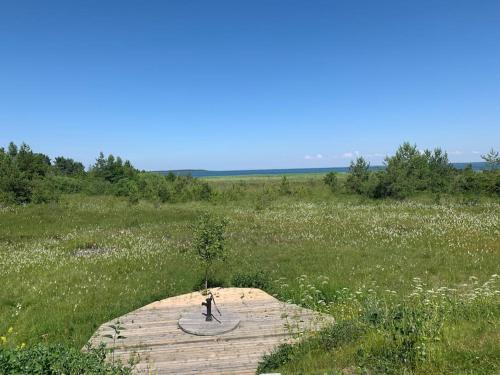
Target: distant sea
x=477, y=166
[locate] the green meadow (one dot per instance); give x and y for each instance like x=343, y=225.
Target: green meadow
x=413, y=284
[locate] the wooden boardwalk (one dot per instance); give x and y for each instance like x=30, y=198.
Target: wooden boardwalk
x=152, y=333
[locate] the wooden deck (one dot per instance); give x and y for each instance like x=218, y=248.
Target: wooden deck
x=152, y=333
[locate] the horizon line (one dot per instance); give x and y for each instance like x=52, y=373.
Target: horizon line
x=290, y=169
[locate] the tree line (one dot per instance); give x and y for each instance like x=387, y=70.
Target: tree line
x=27, y=176
x=411, y=171
x=30, y=177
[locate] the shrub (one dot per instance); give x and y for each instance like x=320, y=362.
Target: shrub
x=68, y=185
x=257, y=279
x=339, y=334
x=58, y=359
x=154, y=187
x=491, y=182
x=96, y=186
x=278, y=357
x=331, y=181
x=263, y=200
x=233, y=193
x=211, y=282
x=125, y=187
x=284, y=188
x=202, y=191
x=466, y=180
x=374, y=186
x=44, y=191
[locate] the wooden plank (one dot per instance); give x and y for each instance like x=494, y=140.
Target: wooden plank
x=152, y=332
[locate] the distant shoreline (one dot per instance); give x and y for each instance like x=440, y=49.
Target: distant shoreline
x=477, y=166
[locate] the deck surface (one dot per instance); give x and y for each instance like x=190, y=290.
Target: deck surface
x=154, y=337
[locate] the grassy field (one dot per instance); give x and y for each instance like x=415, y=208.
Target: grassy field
x=68, y=267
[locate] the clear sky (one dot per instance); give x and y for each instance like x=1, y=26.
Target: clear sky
x=249, y=84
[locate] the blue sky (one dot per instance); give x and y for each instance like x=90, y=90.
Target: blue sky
x=249, y=84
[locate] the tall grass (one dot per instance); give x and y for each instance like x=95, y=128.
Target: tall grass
x=68, y=267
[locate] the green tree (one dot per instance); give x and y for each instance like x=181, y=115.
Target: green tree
x=20, y=170
x=406, y=172
x=15, y=186
x=112, y=168
x=492, y=158
x=32, y=164
x=466, y=181
x=331, y=181
x=209, y=241
x=358, y=175
x=439, y=170
x=68, y=167
x=12, y=151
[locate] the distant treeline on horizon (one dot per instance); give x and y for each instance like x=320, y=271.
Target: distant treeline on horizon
x=27, y=176
x=477, y=166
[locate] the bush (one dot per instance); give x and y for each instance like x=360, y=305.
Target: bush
x=258, y=279
x=492, y=182
x=374, y=186
x=68, y=185
x=96, y=186
x=263, y=200
x=405, y=333
x=331, y=181
x=277, y=358
x=202, y=191
x=466, y=181
x=125, y=188
x=154, y=187
x=234, y=193
x=284, y=188
x=44, y=191
x=339, y=334
x=57, y=359
x=213, y=282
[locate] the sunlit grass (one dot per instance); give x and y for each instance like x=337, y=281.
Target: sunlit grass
x=66, y=268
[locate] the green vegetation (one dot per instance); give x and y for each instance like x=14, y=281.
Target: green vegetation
x=28, y=177
x=208, y=242
x=412, y=283
x=58, y=359
x=411, y=171
x=331, y=180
